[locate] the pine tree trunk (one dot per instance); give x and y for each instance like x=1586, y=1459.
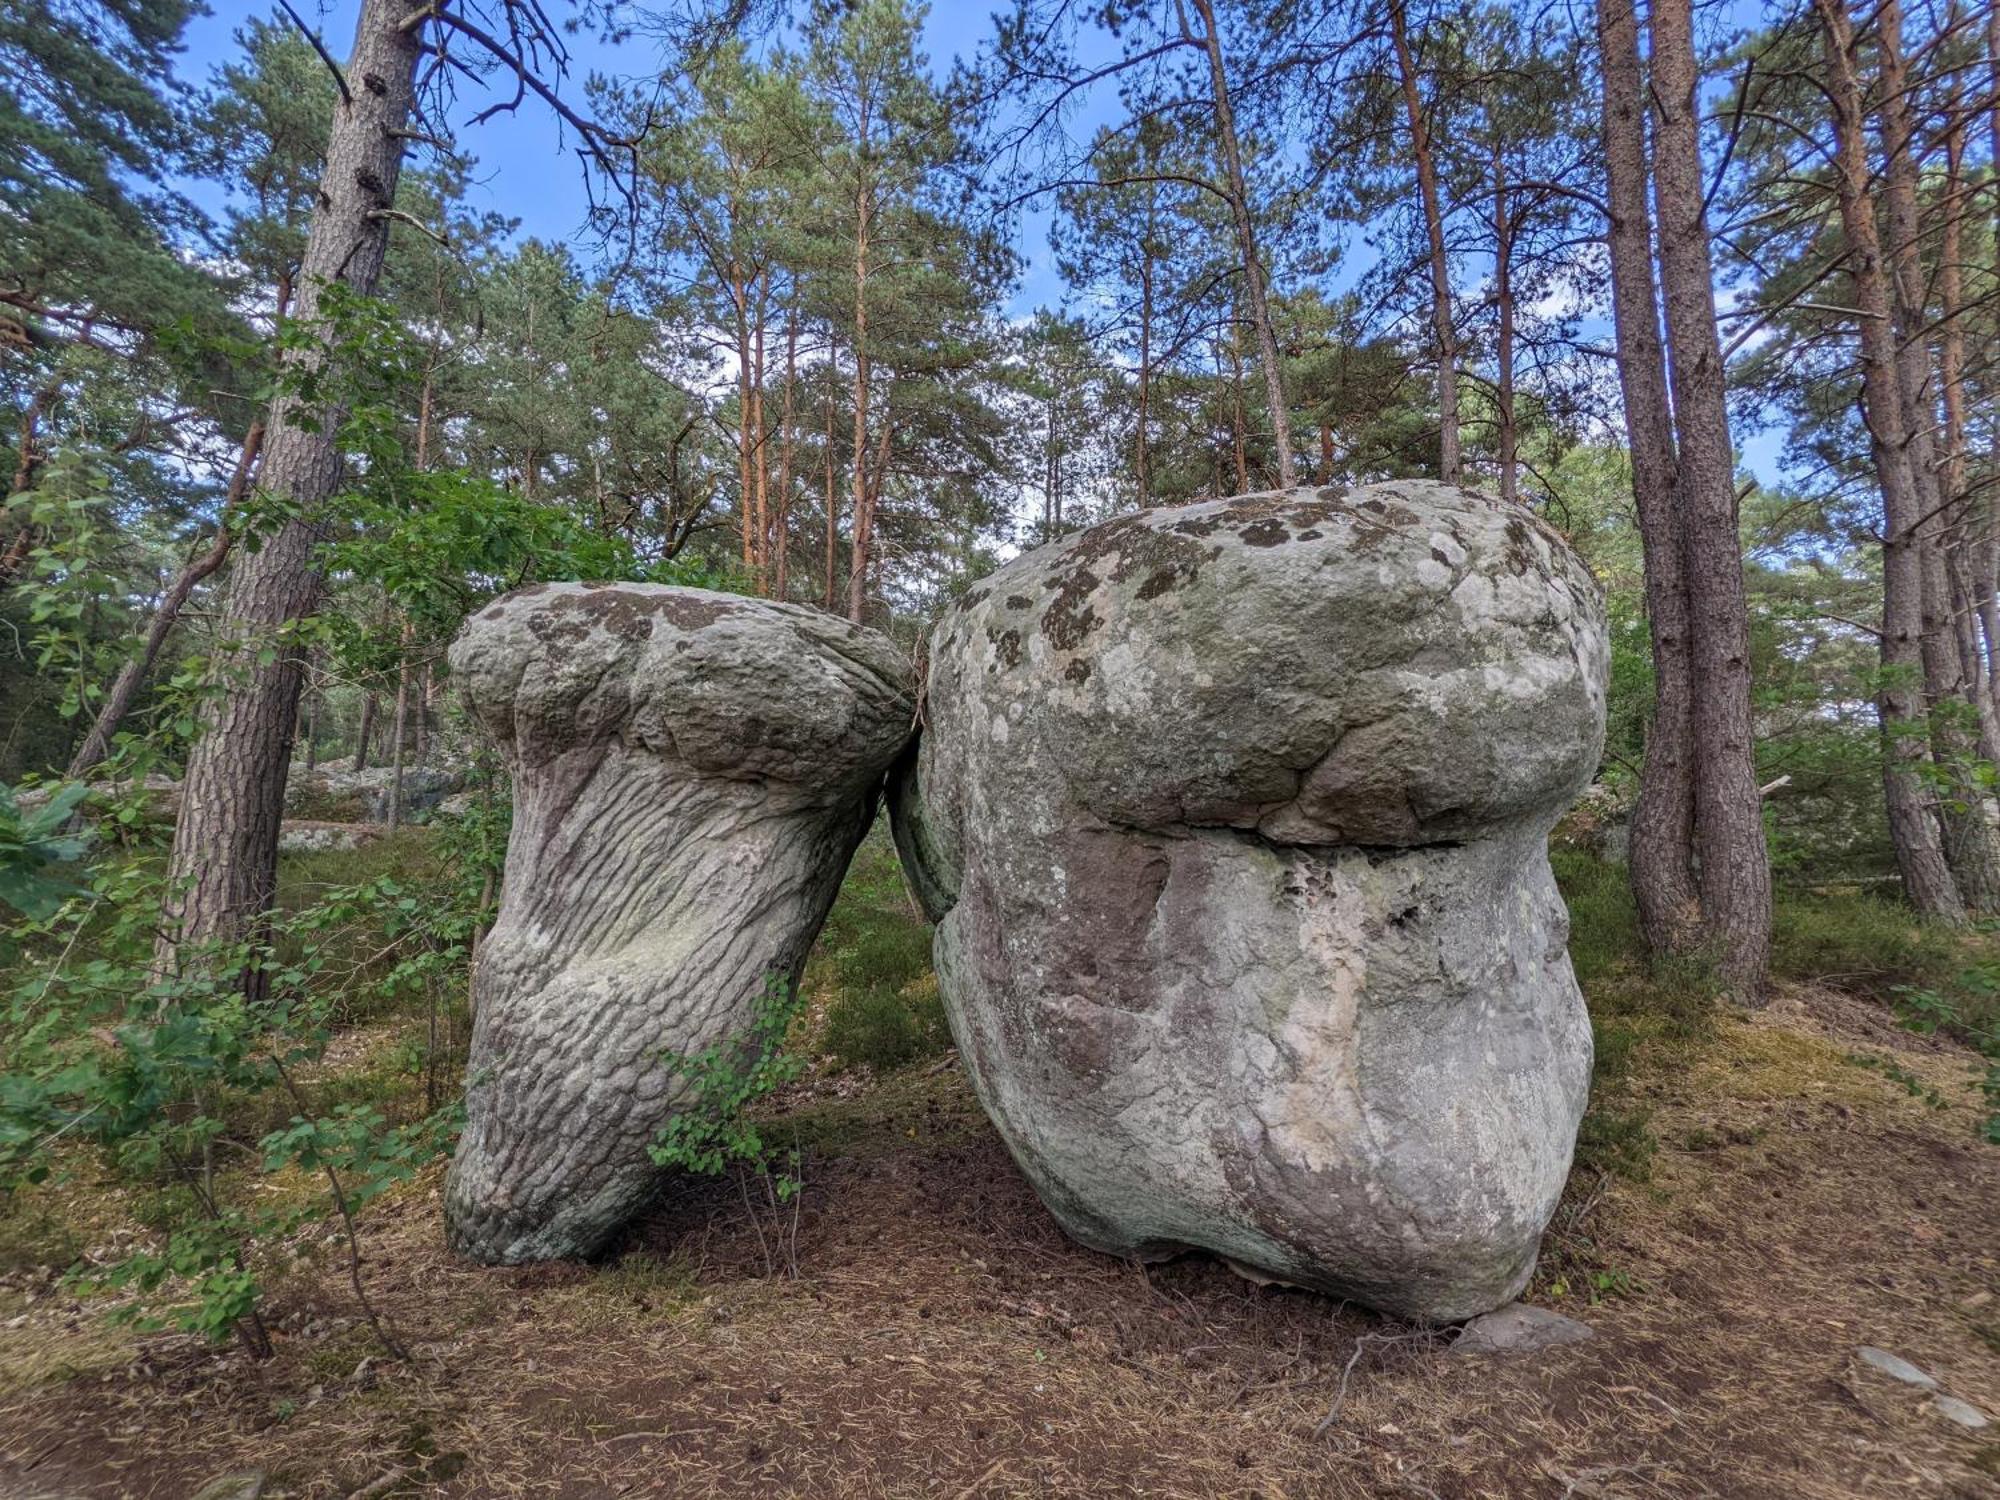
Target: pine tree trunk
x=832, y=490
x=426, y=694
x=1965, y=557
x=781, y=539
x=400, y=735
x=1142, y=458
x=1986, y=561
x=1451, y=467
x=362, y=735
x=312, y=711
x=1971, y=846
x=746, y=510
x=222, y=873
x=1663, y=883
x=857, y=568
x=1732, y=864
x=762, y=440
x=1503, y=352
x=1927, y=879
x=1238, y=447
x=27, y=462
x=1246, y=240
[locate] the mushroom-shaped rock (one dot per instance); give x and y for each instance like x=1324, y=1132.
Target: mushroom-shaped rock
x=692, y=772
x=1233, y=821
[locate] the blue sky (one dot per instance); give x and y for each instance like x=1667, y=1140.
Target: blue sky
x=524, y=170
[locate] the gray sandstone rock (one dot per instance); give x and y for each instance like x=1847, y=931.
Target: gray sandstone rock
x=247, y=1485
x=692, y=772
x=1519, y=1328
x=1232, y=818
x=1960, y=1413
x=1896, y=1367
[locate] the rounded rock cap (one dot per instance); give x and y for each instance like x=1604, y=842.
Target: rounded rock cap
x=729, y=685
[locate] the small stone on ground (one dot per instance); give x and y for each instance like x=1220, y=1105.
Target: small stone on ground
x=1518, y=1328
x=1963, y=1413
x=247, y=1485
x=1895, y=1367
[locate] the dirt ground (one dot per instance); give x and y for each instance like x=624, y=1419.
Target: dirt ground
x=942, y=1338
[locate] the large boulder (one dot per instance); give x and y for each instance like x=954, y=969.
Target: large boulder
x=692, y=772
x=1232, y=818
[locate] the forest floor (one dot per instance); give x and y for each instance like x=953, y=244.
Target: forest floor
x=1758, y=1196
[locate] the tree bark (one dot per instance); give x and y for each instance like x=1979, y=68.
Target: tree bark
x=857, y=574
x=1969, y=557
x=1732, y=865
x=781, y=540
x=1987, y=565
x=761, y=438
x=745, y=481
x=362, y=734
x=312, y=707
x=1451, y=468
x=1503, y=353
x=1246, y=239
x=14, y=556
x=222, y=873
x=1927, y=879
x=426, y=693
x=400, y=735
x=832, y=489
x=1143, y=457
x=1971, y=847
x=1662, y=868
x=1238, y=447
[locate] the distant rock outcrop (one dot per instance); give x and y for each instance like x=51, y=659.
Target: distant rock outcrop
x=692, y=772
x=1233, y=821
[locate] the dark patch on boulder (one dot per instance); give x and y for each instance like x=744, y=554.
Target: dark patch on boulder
x=1072, y=617
x=1268, y=532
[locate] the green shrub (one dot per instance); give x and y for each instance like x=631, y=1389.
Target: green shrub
x=874, y=965
x=717, y=1129
x=1603, y=920
x=886, y=1028
x=1860, y=943
x=1642, y=1016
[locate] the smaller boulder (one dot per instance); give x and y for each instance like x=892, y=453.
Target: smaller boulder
x=246, y=1485
x=1960, y=1413
x=1896, y=1367
x=1519, y=1328
x=692, y=772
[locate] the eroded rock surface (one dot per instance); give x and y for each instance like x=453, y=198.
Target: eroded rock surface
x=1233, y=821
x=692, y=772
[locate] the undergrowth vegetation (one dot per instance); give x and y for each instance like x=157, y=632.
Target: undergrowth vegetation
x=873, y=965
x=1647, y=1019
x=225, y=1107
x=179, y=1149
